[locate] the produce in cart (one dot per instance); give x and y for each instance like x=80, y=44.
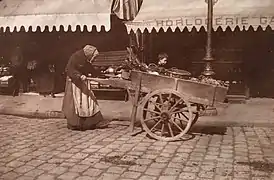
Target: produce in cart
x=132, y=63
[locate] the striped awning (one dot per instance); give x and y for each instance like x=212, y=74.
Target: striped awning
x=165, y=14
x=15, y=14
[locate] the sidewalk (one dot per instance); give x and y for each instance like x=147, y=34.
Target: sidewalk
x=35, y=106
x=256, y=112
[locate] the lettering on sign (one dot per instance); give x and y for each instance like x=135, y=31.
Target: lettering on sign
x=266, y=20
x=217, y=21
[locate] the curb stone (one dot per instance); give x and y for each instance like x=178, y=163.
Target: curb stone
x=201, y=122
x=35, y=115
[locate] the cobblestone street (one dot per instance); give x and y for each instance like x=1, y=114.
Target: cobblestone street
x=46, y=149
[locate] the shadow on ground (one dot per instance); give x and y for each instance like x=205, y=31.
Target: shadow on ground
x=197, y=130
x=208, y=130
x=200, y=131
x=259, y=166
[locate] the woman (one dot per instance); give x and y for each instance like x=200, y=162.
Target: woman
x=80, y=106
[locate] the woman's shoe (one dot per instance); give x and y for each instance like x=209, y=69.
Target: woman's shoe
x=74, y=128
x=103, y=124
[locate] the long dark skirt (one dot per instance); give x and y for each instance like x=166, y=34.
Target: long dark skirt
x=73, y=120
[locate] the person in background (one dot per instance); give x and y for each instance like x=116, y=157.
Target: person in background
x=80, y=106
x=18, y=71
x=162, y=60
x=52, y=71
x=162, y=63
x=32, y=71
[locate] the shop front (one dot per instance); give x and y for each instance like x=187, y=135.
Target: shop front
x=180, y=28
x=48, y=32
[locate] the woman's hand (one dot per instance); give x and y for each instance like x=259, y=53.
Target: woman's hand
x=83, y=77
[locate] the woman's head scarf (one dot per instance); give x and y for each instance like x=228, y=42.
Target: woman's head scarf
x=90, y=52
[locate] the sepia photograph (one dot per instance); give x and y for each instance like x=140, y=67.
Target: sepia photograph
x=136, y=90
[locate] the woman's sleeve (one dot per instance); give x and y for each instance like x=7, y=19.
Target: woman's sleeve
x=94, y=71
x=72, y=70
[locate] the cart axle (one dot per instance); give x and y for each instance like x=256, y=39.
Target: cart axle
x=165, y=116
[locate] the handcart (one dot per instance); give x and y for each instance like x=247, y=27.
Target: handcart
x=169, y=106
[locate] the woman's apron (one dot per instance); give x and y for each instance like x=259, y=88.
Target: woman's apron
x=80, y=106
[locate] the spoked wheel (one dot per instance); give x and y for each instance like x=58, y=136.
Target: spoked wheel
x=166, y=115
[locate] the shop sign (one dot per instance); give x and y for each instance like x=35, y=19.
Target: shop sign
x=217, y=21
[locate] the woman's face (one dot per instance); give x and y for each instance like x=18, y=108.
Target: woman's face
x=162, y=61
x=95, y=54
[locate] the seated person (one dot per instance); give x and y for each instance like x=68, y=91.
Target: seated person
x=161, y=64
x=163, y=68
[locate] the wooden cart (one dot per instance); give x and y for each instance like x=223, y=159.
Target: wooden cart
x=169, y=106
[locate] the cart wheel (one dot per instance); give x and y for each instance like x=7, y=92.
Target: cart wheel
x=195, y=111
x=166, y=115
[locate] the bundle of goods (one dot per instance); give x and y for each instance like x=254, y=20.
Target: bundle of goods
x=209, y=80
x=179, y=73
x=176, y=73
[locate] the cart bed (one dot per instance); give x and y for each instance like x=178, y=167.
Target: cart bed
x=196, y=92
